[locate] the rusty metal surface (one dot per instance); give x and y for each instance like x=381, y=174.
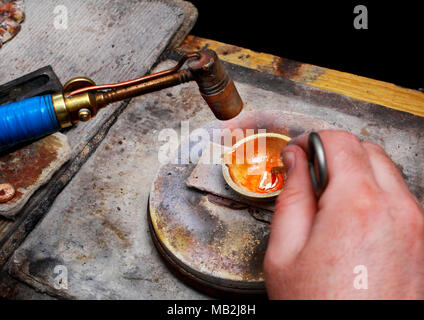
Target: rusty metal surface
x=27, y=168
x=224, y=246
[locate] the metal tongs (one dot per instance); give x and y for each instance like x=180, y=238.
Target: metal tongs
x=316, y=159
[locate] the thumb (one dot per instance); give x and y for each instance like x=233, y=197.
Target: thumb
x=294, y=211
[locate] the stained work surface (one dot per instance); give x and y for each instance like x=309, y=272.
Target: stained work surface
x=121, y=40
x=28, y=168
x=97, y=227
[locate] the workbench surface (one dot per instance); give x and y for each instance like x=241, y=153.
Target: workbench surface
x=97, y=225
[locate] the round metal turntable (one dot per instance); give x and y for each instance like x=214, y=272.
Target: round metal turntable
x=215, y=245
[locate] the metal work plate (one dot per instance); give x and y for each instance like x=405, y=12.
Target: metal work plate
x=218, y=246
x=28, y=168
x=37, y=83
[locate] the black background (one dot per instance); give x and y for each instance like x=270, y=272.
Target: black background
x=322, y=33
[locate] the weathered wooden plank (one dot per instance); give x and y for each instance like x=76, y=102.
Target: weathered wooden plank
x=353, y=86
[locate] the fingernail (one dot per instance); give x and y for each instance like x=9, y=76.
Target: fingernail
x=288, y=160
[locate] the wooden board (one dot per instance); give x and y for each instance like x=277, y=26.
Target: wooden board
x=349, y=85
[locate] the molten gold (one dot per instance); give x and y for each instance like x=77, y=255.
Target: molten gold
x=228, y=160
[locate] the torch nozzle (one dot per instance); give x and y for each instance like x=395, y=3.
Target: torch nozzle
x=215, y=85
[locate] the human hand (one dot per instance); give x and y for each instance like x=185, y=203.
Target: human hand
x=365, y=217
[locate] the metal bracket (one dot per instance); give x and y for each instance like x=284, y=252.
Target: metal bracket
x=40, y=82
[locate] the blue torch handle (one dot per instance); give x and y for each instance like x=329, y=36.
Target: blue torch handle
x=27, y=120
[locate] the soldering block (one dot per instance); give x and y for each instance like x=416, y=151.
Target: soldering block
x=30, y=167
